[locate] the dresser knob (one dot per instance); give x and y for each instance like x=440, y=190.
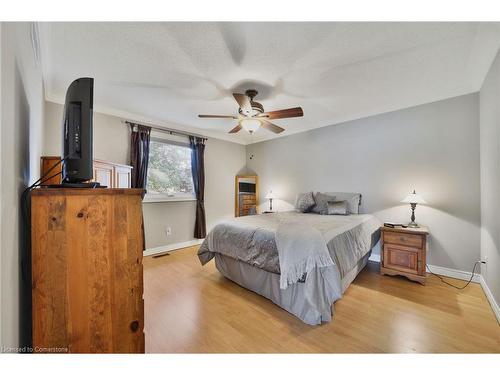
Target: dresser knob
x=402, y=239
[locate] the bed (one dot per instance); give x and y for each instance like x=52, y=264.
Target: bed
x=246, y=252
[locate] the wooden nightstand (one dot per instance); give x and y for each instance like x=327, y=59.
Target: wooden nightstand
x=403, y=252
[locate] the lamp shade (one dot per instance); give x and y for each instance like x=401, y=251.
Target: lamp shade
x=413, y=198
x=270, y=195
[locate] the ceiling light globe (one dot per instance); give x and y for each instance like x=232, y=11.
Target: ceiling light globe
x=250, y=125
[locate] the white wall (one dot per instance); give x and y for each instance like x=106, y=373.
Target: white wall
x=1, y=190
x=433, y=148
x=489, y=116
x=223, y=160
x=22, y=103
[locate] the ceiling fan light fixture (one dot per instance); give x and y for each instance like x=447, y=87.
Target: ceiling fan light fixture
x=252, y=116
x=250, y=125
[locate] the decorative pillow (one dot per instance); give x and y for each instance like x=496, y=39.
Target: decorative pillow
x=338, y=208
x=353, y=200
x=305, y=201
x=321, y=206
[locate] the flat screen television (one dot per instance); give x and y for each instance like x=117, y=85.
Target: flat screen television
x=246, y=187
x=77, y=132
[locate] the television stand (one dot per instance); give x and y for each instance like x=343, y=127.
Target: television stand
x=76, y=185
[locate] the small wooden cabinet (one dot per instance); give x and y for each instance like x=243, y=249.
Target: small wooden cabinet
x=48, y=162
x=87, y=277
x=403, y=252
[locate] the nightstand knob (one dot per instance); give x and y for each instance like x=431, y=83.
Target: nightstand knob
x=402, y=239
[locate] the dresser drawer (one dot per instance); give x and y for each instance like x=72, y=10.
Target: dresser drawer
x=404, y=239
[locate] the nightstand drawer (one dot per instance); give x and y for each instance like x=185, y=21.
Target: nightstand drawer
x=402, y=258
x=404, y=239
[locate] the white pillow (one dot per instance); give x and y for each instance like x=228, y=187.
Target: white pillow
x=353, y=200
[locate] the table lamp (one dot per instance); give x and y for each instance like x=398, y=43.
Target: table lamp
x=413, y=199
x=270, y=196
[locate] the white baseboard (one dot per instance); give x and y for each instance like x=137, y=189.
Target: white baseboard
x=491, y=299
x=455, y=274
x=171, y=247
x=442, y=271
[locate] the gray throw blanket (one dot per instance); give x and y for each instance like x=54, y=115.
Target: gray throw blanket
x=301, y=248
x=252, y=239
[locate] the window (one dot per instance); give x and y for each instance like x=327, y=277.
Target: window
x=169, y=171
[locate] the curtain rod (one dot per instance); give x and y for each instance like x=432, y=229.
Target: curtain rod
x=166, y=130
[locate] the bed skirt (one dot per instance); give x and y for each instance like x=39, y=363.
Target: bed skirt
x=311, y=301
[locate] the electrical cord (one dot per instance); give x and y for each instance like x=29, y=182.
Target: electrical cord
x=454, y=286
x=46, y=173
x=46, y=179
x=41, y=180
x=25, y=210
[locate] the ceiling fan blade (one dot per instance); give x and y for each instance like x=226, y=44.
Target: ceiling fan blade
x=284, y=113
x=236, y=129
x=270, y=126
x=218, y=116
x=244, y=103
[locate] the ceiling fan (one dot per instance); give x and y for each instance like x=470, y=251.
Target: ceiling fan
x=252, y=116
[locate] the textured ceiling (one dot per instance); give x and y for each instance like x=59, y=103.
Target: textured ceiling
x=170, y=72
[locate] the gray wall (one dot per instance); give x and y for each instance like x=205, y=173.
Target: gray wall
x=489, y=115
x=223, y=160
x=433, y=148
x=22, y=106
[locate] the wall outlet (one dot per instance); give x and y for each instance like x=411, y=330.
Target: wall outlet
x=168, y=231
x=484, y=267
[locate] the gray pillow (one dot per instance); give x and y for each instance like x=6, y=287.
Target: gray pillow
x=321, y=206
x=338, y=208
x=305, y=201
x=353, y=200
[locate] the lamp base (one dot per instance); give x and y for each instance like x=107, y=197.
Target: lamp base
x=412, y=223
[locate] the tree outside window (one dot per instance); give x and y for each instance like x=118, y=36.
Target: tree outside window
x=169, y=170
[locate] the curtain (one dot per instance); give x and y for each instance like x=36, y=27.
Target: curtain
x=139, y=154
x=139, y=158
x=197, y=146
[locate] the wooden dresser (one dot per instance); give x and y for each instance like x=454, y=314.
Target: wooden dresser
x=403, y=252
x=246, y=195
x=87, y=280
x=111, y=175
x=247, y=204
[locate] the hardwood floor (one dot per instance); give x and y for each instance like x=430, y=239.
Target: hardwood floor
x=194, y=309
